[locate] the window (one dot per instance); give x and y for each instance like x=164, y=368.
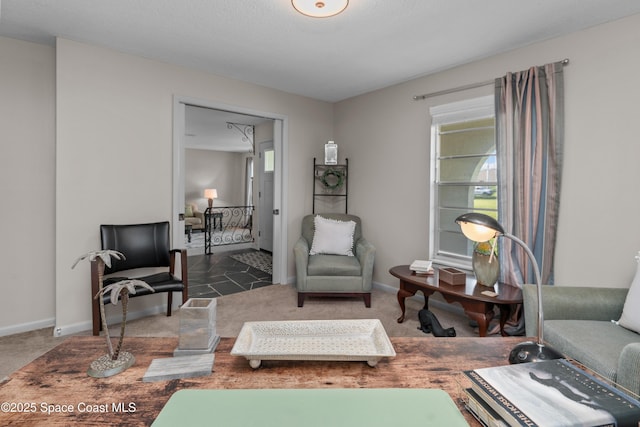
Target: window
x=463, y=174
x=269, y=160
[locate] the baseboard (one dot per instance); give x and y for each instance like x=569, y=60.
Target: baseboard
x=384, y=287
x=26, y=327
x=63, y=330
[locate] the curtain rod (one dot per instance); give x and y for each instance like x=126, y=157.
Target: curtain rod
x=465, y=87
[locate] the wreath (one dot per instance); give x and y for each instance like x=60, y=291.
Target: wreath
x=332, y=179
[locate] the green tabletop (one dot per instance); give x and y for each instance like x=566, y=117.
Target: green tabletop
x=310, y=408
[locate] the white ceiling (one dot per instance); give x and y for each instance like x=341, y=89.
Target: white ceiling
x=373, y=44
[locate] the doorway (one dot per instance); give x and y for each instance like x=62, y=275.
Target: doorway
x=279, y=151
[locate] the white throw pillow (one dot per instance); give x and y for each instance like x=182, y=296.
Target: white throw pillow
x=630, y=318
x=332, y=237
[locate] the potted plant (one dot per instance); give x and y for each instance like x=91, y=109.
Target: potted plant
x=115, y=361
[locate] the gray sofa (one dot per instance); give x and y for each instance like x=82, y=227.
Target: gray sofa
x=333, y=275
x=578, y=323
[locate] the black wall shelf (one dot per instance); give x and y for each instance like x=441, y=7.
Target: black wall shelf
x=331, y=182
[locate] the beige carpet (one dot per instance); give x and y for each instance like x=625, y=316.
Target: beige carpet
x=277, y=302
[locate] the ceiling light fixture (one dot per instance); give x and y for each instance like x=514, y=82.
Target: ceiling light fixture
x=320, y=9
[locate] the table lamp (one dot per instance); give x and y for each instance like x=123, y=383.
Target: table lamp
x=210, y=194
x=481, y=228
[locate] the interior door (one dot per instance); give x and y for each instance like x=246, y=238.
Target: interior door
x=265, y=195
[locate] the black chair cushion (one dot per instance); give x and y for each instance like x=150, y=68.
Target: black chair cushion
x=160, y=282
x=143, y=245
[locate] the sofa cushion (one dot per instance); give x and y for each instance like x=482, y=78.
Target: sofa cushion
x=188, y=210
x=333, y=265
x=596, y=344
x=630, y=318
x=332, y=237
x=308, y=227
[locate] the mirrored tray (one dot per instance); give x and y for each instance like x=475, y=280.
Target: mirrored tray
x=336, y=340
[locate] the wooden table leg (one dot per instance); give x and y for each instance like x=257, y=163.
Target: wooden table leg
x=408, y=290
x=482, y=320
x=402, y=295
x=481, y=313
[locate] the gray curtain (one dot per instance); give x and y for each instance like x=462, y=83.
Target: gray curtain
x=530, y=138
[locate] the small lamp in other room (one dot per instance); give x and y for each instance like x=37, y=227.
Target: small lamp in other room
x=210, y=194
x=481, y=228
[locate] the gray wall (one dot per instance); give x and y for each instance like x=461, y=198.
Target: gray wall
x=27, y=185
x=221, y=170
x=386, y=135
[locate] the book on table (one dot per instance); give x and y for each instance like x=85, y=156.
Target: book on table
x=421, y=267
x=481, y=410
x=553, y=393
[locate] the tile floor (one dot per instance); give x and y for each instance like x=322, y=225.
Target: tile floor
x=211, y=276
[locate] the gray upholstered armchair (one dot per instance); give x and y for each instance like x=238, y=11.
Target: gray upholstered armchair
x=333, y=275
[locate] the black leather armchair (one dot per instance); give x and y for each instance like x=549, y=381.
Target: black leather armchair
x=144, y=246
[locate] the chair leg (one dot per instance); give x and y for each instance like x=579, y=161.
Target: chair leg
x=184, y=275
x=95, y=315
x=367, y=300
x=300, y=299
x=169, y=303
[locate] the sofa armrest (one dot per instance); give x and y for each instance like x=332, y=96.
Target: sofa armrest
x=628, y=373
x=301, y=254
x=366, y=253
x=199, y=215
x=572, y=303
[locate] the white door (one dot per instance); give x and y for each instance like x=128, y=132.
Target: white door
x=265, y=195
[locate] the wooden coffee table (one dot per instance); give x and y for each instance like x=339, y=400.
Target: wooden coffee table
x=58, y=379
x=477, y=305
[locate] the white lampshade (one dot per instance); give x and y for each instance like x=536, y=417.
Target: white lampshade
x=320, y=8
x=479, y=227
x=210, y=193
x=477, y=233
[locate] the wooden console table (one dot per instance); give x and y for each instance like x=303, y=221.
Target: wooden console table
x=59, y=377
x=477, y=306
